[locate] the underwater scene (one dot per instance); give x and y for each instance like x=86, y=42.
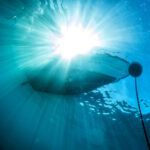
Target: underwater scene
x=74, y=74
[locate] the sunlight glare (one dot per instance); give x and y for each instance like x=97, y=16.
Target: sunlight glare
x=76, y=40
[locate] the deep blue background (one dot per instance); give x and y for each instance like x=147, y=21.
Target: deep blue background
x=106, y=118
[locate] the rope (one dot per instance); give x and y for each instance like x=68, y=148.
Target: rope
x=141, y=116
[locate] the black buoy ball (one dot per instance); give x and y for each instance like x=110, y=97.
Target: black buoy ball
x=135, y=69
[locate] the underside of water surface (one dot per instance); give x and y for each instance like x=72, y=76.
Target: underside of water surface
x=64, y=81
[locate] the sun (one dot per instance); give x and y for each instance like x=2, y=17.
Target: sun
x=76, y=40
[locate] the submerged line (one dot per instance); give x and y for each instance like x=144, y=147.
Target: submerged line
x=141, y=116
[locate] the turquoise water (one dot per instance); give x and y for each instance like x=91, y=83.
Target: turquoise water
x=105, y=118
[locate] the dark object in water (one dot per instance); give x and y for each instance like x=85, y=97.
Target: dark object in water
x=135, y=69
x=81, y=74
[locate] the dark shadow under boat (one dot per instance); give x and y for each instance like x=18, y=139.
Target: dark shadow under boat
x=82, y=74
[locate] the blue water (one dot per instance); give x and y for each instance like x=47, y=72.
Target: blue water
x=106, y=118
